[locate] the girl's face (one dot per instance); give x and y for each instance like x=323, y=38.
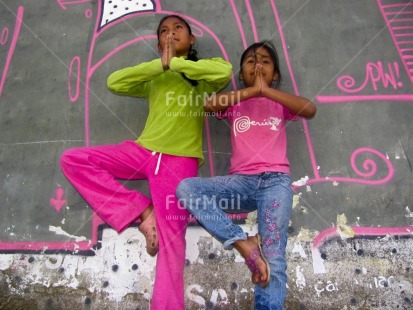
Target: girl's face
x=181, y=35
x=254, y=57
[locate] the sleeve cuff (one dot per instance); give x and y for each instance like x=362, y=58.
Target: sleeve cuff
x=176, y=63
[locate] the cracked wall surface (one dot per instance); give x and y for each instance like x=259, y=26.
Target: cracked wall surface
x=360, y=274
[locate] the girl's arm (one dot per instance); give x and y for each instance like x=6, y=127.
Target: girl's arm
x=222, y=101
x=132, y=81
x=214, y=71
x=297, y=105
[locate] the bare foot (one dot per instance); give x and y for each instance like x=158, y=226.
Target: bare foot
x=255, y=278
x=149, y=230
x=250, y=251
x=146, y=213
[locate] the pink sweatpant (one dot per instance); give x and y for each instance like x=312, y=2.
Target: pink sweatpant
x=93, y=172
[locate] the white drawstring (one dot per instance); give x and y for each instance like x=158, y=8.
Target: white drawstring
x=158, y=163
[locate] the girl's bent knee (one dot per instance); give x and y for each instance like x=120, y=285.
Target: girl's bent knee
x=65, y=158
x=186, y=192
x=69, y=157
x=183, y=190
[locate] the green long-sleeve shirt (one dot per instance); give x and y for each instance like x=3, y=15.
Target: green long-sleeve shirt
x=176, y=111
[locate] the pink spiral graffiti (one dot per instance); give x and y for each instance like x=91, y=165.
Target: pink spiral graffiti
x=369, y=165
x=347, y=82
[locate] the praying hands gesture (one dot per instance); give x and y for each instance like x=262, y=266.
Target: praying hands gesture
x=260, y=85
x=168, y=51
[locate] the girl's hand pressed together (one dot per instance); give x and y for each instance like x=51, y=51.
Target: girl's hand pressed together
x=165, y=53
x=260, y=83
x=168, y=51
x=296, y=104
x=172, y=51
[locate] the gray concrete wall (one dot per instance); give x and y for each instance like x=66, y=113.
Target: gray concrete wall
x=350, y=239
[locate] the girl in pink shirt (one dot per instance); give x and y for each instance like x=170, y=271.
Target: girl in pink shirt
x=259, y=173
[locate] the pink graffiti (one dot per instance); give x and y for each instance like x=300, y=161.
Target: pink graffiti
x=375, y=73
x=369, y=170
x=398, y=18
x=239, y=23
x=58, y=202
x=17, y=27
x=63, y=3
x=47, y=246
x=4, y=36
x=366, y=174
x=370, y=166
x=356, y=98
x=75, y=63
x=360, y=231
x=252, y=20
x=88, y=14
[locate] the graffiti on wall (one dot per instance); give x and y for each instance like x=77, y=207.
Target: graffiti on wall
x=383, y=80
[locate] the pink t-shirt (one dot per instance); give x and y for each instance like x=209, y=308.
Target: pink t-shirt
x=258, y=136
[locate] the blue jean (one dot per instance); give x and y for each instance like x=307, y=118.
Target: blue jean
x=208, y=200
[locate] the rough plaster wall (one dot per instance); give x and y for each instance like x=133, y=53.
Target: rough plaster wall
x=359, y=274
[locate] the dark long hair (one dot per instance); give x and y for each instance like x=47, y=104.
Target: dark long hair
x=273, y=54
x=192, y=53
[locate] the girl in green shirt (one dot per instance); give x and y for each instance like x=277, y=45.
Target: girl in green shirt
x=168, y=150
